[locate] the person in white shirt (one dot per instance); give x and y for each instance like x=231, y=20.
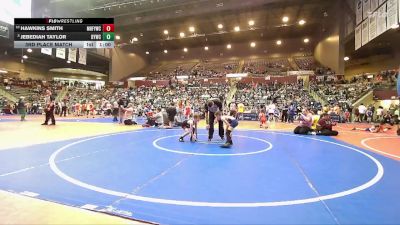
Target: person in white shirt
x=271, y=112
x=362, y=109
x=158, y=117
x=379, y=114
x=179, y=118
x=115, y=111
x=128, y=114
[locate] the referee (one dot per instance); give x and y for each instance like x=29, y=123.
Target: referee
x=212, y=106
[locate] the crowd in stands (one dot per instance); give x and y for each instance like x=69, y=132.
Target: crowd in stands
x=31, y=90
x=341, y=94
x=264, y=66
x=279, y=101
x=282, y=102
x=306, y=63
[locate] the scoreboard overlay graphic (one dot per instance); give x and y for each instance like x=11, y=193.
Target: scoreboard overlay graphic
x=64, y=33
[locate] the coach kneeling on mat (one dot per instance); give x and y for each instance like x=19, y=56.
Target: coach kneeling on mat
x=212, y=106
x=305, y=123
x=324, y=126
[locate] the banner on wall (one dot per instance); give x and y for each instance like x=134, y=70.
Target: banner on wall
x=372, y=26
x=72, y=54
x=392, y=13
x=82, y=56
x=364, y=32
x=358, y=11
x=381, y=20
x=47, y=51
x=60, y=53
x=357, y=39
x=4, y=30
x=366, y=9
x=374, y=5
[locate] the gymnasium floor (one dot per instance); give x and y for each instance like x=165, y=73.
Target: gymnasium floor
x=267, y=177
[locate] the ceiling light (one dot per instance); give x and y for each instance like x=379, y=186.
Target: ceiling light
x=191, y=29
x=165, y=32
x=68, y=61
x=229, y=46
x=220, y=26
x=117, y=37
x=185, y=49
x=252, y=44
x=147, y=52
x=251, y=22
x=165, y=51
x=306, y=40
x=302, y=22
x=134, y=39
x=278, y=42
x=346, y=58
x=29, y=50
x=285, y=19
x=206, y=48
x=237, y=28
x=181, y=34
x=25, y=57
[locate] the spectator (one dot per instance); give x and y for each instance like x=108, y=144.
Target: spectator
x=305, y=123
x=324, y=126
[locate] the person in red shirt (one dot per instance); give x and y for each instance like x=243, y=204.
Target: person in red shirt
x=347, y=116
x=263, y=119
x=83, y=109
x=90, y=109
x=324, y=126
x=187, y=111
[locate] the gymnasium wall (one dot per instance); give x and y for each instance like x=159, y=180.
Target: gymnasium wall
x=329, y=51
x=124, y=64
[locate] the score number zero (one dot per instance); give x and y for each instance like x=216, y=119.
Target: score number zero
x=108, y=32
x=107, y=35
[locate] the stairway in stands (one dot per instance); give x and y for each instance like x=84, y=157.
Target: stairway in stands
x=293, y=64
x=240, y=66
x=61, y=95
x=232, y=92
x=6, y=94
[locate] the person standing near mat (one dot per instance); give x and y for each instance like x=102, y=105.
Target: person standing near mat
x=231, y=122
x=211, y=107
x=21, y=106
x=49, y=109
x=122, y=103
x=190, y=127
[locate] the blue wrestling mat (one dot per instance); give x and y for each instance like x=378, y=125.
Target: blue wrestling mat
x=265, y=178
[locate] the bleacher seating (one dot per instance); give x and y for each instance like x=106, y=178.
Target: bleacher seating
x=261, y=67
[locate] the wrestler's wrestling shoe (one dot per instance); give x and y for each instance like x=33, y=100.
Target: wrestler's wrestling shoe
x=226, y=145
